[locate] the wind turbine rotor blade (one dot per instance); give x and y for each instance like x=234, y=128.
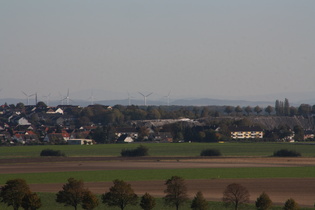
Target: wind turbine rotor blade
x=149, y=94
x=142, y=94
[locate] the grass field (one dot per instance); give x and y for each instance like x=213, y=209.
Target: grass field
x=48, y=203
x=163, y=174
x=161, y=149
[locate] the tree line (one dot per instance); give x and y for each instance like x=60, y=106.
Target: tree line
x=16, y=193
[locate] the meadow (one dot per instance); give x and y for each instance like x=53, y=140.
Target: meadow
x=162, y=149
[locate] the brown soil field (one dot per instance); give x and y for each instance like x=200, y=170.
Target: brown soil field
x=279, y=190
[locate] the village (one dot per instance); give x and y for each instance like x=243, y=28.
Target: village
x=69, y=124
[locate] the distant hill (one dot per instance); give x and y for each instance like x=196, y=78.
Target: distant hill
x=178, y=102
x=220, y=102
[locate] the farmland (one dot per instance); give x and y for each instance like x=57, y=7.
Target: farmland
x=247, y=163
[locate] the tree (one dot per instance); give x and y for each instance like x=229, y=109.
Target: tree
x=176, y=192
x=147, y=202
x=120, y=195
x=13, y=192
x=235, y=194
x=298, y=133
x=199, y=202
x=31, y=201
x=248, y=110
x=89, y=200
x=72, y=193
x=228, y=109
x=286, y=107
x=293, y=111
x=305, y=109
x=205, y=112
x=238, y=110
x=263, y=202
x=257, y=109
x=20, y=106
x=269, y=109
x=290, y=204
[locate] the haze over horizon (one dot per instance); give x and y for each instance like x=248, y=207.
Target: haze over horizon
x=244, y=50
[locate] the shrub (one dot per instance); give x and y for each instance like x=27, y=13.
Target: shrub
x=286, y=153
x=210, y=152
x=139, y=151
x=50, y=152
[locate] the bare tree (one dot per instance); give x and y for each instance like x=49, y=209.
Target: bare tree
x=235, y=194
x=176, y=192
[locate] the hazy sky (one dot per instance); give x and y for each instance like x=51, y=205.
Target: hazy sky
x=203, y=48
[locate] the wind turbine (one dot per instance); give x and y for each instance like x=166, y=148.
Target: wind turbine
x=67, y=98
x=129, y=98
x=168, y=98
x=145, y=98
x=92, y=98
x=28, y=97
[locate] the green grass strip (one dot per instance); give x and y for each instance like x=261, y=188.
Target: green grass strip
x=163, y=174
x=162, y=149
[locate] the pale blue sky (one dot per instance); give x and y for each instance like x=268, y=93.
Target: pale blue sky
x=214, y=49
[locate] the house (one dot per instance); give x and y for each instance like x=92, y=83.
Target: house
x=246, y=132
x=308, y=134
x=129, y=131
x=164, y=136
x=19, y=120
x=80, y=141
x=54, y=138
x=125, y=138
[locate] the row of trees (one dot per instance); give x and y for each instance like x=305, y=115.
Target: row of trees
x=120, y=114
x=16, y=193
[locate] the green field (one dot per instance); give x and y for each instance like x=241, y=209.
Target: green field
x=162, y=149
x=163, y=174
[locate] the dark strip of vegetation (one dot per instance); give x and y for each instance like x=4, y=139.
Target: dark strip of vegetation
x=286, y=153
x=139, y=151
x=50, y=152
x=210, y=152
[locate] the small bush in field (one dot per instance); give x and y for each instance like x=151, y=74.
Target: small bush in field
x=286, y=153
x=50, y=152
x=139, y=151
x=210, y=152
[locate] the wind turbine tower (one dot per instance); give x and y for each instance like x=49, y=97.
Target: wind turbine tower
x=145, y=97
